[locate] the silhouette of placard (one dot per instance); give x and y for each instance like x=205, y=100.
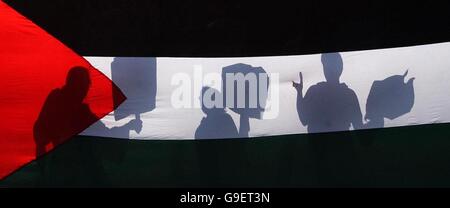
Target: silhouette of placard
x=390, y=98
x=258, y=93
x=136, y=77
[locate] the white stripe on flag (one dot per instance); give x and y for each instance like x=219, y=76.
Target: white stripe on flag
x=151, y=86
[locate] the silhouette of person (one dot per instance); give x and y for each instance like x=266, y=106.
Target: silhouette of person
x=63, y=114
x=389, y=98
x=216, y=124
x=330, y=106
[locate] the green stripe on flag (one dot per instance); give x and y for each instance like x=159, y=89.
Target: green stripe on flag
x=397, y=157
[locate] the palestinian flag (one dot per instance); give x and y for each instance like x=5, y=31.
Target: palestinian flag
x=224, y=94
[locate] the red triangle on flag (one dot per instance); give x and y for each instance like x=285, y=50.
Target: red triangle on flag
x=48, y=93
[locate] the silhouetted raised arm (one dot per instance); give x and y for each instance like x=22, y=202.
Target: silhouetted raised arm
x=300, y=99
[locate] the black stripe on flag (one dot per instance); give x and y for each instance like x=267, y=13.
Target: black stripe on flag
x=236, y=28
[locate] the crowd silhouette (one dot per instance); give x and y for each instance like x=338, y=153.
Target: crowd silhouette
x=327, y=106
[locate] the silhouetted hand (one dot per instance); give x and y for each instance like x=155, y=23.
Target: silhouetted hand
x=298, y=86
x=135, y=124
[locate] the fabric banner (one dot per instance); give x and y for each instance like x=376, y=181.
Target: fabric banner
x=48, y=92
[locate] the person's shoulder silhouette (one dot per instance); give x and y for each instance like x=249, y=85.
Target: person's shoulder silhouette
x=217, y=123
x=329, y=105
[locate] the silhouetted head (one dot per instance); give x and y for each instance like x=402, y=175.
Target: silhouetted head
x=77, y=83
x=332, y=66
x=210, y=96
